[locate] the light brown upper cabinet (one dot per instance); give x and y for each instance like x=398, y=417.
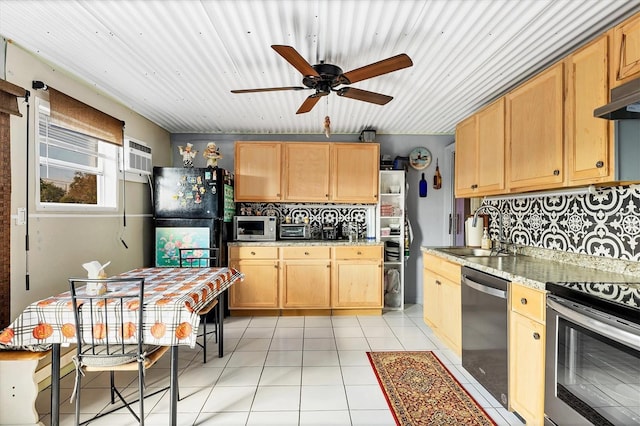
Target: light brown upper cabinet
x=589, y=139
x=491, y=149
x=258, y=168
x=466, y=157
x=552, y=140
x=535, y=132
x=625, y=55
x=307, y=171
x=480, y=153
x=355, y=172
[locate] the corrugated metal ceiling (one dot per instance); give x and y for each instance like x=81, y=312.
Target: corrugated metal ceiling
x=175, y=62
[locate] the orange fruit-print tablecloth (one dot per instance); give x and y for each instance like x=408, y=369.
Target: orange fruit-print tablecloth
x=172, y=298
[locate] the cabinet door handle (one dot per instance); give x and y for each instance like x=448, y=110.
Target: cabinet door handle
x=523, y=301
x=536, y=335
x=600, y=164
x=556, y=172
x=359, y=253
x=438, y=282
x=253, y=253
x=474, y=186
x=306, y=253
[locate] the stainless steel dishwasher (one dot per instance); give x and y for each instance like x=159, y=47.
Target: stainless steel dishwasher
x=484, y=331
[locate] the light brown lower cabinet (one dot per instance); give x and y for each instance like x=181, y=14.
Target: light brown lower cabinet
x=357, y=277
x=306, y=277
x=325, y=278
x=259, y=289
x=527, y=353
x=443, y=300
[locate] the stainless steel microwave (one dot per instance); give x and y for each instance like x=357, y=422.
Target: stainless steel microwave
x=254, y=228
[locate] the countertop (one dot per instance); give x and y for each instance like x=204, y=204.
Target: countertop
x=285, y=243
x=535, y=271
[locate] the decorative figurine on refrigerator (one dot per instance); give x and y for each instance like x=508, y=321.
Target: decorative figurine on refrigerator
x=188, y=154
x=212, y=154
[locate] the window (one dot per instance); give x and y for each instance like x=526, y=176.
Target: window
x=75, y=171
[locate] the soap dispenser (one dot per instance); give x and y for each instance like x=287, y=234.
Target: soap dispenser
x=486, y=241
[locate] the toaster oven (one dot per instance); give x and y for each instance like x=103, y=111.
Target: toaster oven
x=295, y=231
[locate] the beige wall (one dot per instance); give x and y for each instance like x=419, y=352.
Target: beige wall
x=61, y=242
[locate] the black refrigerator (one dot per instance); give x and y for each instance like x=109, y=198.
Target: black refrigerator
x=193, y=208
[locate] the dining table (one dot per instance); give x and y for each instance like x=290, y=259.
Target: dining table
x=172, y=299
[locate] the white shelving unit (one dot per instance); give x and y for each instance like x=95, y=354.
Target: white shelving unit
x=390, y=230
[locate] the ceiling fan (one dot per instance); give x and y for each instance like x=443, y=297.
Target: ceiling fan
x=325, y=78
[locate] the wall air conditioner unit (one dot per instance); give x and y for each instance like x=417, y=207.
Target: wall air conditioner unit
x=138, y=163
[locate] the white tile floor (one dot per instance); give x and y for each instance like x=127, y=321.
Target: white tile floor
x=281, y=371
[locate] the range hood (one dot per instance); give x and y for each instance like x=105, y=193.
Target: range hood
x=624, y=105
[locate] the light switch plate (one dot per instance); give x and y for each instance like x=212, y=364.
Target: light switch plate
x=21, y=219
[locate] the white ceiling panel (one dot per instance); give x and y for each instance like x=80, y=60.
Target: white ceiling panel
x=175, y=62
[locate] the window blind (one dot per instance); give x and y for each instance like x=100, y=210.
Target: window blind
x=72, y=114
x=9, y=94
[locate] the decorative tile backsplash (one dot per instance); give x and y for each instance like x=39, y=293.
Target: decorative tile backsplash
x=606, y=223
x=318, y=214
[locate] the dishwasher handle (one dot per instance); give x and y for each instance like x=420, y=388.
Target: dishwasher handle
x=484, y=288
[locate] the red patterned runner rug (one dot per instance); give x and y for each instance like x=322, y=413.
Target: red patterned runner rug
x=421, y=391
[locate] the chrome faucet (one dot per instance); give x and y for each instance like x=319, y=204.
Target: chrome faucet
x=501, y=240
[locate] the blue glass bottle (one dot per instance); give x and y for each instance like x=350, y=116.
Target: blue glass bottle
x=423, y=187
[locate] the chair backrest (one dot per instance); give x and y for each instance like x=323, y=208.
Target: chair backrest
x=109, y=326
x=200, y=257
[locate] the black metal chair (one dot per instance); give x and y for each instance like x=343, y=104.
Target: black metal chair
x=109, y=328
x=203, y=258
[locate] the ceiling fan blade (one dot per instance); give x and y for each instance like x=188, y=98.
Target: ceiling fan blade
x=269, y=89
x=364, y=95
x=294, y=58
x=310, y=102
x=385, y=66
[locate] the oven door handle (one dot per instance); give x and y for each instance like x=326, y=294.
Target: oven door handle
x=589, y=319
x=484, y=288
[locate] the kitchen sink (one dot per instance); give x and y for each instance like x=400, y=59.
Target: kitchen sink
x=471, y=252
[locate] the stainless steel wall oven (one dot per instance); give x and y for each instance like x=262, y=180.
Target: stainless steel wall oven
x=593, y=354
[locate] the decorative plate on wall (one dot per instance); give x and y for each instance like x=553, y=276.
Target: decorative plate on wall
x=420, y=158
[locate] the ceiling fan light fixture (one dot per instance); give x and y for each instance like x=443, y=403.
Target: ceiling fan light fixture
x=325, y=78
